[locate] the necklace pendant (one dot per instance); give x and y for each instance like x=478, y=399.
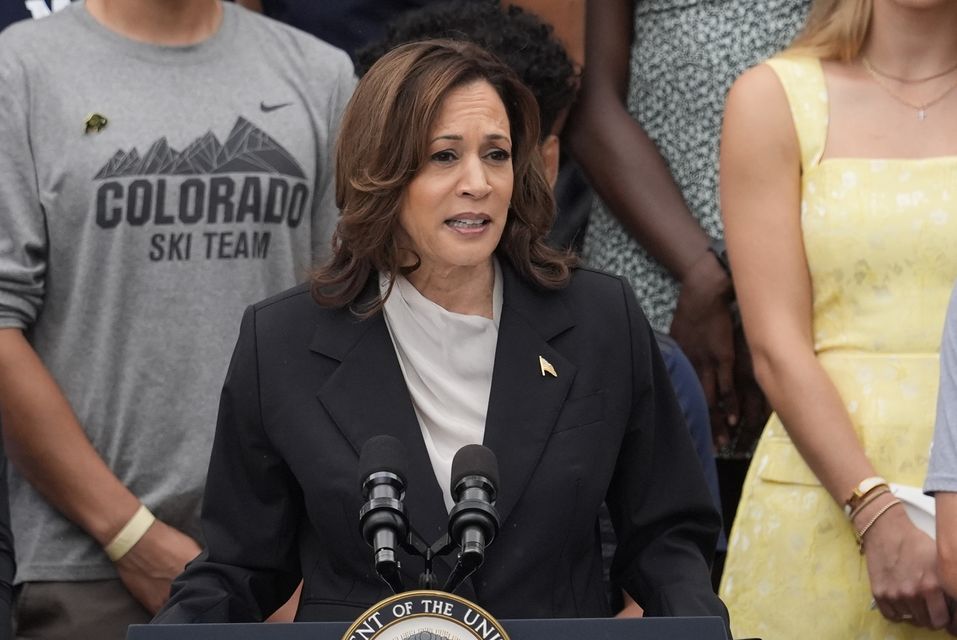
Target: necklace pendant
x=921, y=115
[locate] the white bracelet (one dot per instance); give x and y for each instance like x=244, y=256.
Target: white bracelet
x=130, y=534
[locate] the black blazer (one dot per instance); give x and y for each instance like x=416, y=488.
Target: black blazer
x=307, y=386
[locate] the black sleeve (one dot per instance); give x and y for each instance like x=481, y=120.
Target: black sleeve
x=664, y=517
x=251, y=511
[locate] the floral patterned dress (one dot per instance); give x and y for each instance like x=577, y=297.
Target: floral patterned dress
x=686, y=54
x=879, y=237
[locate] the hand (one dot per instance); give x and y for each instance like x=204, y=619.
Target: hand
x=631, y=609
x=151, y=565
x=752, y=403
x=702, y=326
x=902, y=565
x=287, y=612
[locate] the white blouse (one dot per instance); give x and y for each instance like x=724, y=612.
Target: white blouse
x=446, y=359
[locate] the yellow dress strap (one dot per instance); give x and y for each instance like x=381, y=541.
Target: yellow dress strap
x=803, y=82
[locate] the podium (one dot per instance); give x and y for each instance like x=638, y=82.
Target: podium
x=703, y=628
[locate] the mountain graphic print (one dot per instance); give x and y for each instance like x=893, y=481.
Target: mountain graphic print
x=248, y=149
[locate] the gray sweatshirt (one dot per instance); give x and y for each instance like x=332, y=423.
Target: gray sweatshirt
x=147, y=194
x=942, y=468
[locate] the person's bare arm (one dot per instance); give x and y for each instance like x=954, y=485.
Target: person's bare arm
x=44, y=440
x=947, y=550
x=628, y=172
x=567, y=18
x=760, y=196
x=947, y=540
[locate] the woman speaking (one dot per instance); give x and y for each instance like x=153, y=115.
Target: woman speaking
x=442, y=320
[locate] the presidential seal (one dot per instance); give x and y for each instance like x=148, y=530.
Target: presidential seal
x=425, y=615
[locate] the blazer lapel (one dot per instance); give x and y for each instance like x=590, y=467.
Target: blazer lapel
x=525, y=401
x=367, y=396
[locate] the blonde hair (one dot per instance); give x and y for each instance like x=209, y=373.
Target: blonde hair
x=835, y=30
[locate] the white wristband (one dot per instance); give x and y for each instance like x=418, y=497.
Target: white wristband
x=130, y=534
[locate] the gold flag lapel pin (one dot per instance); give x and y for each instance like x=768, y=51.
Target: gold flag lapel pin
x=547, y=367
x=95, y=123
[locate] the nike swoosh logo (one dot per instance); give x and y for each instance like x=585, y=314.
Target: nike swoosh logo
x=266, y=108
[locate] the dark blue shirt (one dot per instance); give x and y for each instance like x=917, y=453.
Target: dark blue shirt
x=347, y=24
x=14, y=10
x=11, y=11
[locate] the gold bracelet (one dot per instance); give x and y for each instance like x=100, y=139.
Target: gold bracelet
x=863, y=488
x=869, y=498
x=130, y=534
x=870, y=523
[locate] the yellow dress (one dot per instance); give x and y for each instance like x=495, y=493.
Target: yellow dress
x=881, y=244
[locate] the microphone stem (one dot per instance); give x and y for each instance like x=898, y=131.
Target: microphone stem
x=473, y=545
x=387, y=567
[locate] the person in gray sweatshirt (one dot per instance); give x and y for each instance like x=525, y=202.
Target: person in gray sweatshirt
x=164, y=164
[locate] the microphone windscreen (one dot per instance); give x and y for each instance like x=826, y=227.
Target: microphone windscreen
x=475, y=460
x=382, y=453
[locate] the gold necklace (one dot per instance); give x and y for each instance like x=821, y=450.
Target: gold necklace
x=870, y=65
x=922, y=107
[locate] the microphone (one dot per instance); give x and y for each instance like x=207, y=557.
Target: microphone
x=473, y=521
x=382, y=519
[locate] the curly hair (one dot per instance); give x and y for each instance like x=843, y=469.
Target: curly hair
x=382, y=144
x=517, y=38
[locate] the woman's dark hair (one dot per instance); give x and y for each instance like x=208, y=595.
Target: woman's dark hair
x=383, y=142
x=518, y=38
